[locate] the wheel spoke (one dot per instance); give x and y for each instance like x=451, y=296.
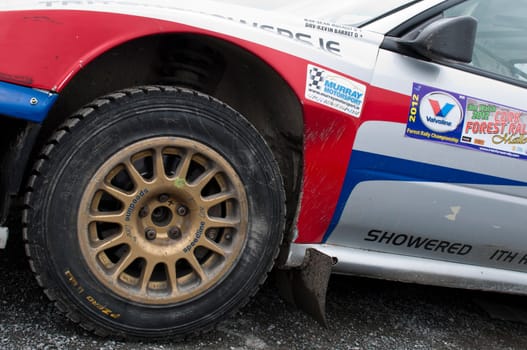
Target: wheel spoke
x=172, y=277
x=213, y=247
x=215, y=199
x=110, y=242
x=222, y=222
x=146, y=275
x=116, y=193
x=205, y=178
x=122, y=264
x=136, y=177
x=159, y=166
x=111, y=217
x=194, y=263
x=184, y=164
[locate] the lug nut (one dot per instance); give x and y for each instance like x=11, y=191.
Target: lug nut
x=163, y=197
x=228, y=236
x=174, y=233
x=212, y=234
x=143, y=212
x=150, y=234
x=182, y=210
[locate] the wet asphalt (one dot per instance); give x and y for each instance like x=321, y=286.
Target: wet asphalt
x=362, y=314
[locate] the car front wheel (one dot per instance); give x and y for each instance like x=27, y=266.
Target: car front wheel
x=153, y=211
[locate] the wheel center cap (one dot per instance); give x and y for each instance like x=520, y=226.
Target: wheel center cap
x=161, y=216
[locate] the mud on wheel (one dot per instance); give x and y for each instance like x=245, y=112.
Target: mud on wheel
x=153, y=212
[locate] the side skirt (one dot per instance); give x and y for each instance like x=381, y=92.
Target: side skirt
x=367, y=263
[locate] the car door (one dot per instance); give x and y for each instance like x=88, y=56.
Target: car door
x=439, y=164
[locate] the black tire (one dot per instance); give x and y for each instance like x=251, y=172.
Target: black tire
x=92, y=283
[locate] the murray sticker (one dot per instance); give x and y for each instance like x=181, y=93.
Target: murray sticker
x=335, y=91
x=467, y=121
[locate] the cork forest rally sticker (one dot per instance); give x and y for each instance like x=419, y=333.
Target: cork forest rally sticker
x=456, y=119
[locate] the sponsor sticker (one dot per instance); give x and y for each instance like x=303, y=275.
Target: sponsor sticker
x=467, y=121
x=440, y=112
x=417, y=242
x=335, y=91
x=328, y=27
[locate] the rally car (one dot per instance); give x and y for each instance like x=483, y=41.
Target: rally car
x=164, y=157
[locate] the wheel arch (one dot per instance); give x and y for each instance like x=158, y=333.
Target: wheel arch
x=217, y=67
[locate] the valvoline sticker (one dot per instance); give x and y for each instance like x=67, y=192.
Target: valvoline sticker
x=435, y=115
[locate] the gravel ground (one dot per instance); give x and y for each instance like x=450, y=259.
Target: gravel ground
x=363, y=314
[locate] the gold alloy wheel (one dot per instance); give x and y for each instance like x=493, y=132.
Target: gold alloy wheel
x=163, y=220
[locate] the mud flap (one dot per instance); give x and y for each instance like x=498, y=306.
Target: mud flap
x=306, y=286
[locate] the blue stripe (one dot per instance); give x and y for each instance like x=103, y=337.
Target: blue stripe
x=25, y=103
x=365, y=166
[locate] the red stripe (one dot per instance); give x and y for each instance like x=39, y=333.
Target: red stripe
x=329, y=142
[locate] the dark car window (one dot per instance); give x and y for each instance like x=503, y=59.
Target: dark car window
x=501, y=39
